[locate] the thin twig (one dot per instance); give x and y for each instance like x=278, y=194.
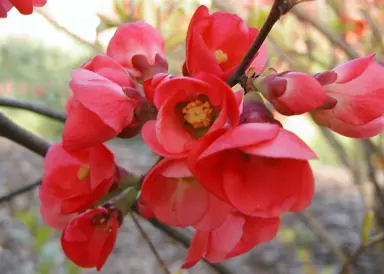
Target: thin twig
x=322, y=234
x=36, y=108
x=279, y=8
x=360, y=250
x=60, y=27
x=21, y=136
x=19, y=191
x=150, y=244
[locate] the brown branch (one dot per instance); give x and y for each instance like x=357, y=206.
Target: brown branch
x=19, y=191
x=318, y=230
x=60, y=27
x=21, y=136
x=279, y=8
x=150, y=244
x=360, y=250
x=36, y=108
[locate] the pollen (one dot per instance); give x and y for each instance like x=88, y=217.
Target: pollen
x=221, y=56
x=83, y=173
x=198, y=114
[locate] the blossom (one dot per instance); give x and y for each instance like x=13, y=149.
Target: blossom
x=139, y=48
x=175, y=197
x=292, y=92
x=259, y=168
x=74, y=181
x=188, y=109
x=103, y=103
x=358, y=95
x=236, y=235
x=90, y=237
x=217, y=43
x=23, y=6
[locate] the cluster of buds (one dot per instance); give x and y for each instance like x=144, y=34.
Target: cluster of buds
x=229, y=169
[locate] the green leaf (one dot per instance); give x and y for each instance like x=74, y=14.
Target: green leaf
x=28, y=218
x=119, y=8
x=368, y=221
x=106, y=23
x=43, y=234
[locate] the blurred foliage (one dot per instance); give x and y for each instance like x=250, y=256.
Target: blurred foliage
x=49, y=255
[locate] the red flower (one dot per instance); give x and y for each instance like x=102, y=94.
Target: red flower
x=217, y=43
x=23, y=6
x=189, y=108
x=89, y=238
x=74, y=181
x=259, y=168
x=178, y=199
x=5, y=6
x=237, y=235
x=139, y=48
x=358, y=95
x=292, y=92
x=353, y=29
x=102, y=106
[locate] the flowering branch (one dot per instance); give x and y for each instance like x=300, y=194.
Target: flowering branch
x=36, y=108
x=279, y=8
x=151, y=245
x=360, y=250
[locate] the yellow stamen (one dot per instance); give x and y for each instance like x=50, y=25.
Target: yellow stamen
x=198, y=114
x=83, y=173
x=221, y=56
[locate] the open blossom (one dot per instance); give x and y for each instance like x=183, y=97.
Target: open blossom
x=188, y=109
x=217, y=43
x=292, y=92
x=358, y=95
x=74, y=181
x=90, y=237
x=177, y=198
x=235, y=236
x=139, y=48
x=23, y=6
x=102, y=105
x=259, y=168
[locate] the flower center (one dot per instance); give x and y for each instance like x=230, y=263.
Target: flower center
x=221, y=56
x=83, y=173
x=198, y=114
x=101, y=221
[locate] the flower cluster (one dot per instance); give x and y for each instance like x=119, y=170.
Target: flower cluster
x=23, y=6
x=228, y=168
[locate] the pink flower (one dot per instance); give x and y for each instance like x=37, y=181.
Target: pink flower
x=139, y=48
x=178, y=199
x=102, y=105
x=74, y=181
x=188, y=109
x=216, y=44
x=358, y=94
x=292, y=92
x=23, y=6
x=237, y=235
x=259, y=168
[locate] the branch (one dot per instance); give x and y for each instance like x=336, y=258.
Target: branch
x=279, y=8
x=361, y=249
x=37, y=108
x=322, y=234
x=21, y=136
x=55, y=24
x=17, y=192
x=151, y=245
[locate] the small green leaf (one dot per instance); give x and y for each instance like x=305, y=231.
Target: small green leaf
x=28, y=218
x=368, y=221
x=42, y=236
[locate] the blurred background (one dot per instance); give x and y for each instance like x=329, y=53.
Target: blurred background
x=37, y=54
